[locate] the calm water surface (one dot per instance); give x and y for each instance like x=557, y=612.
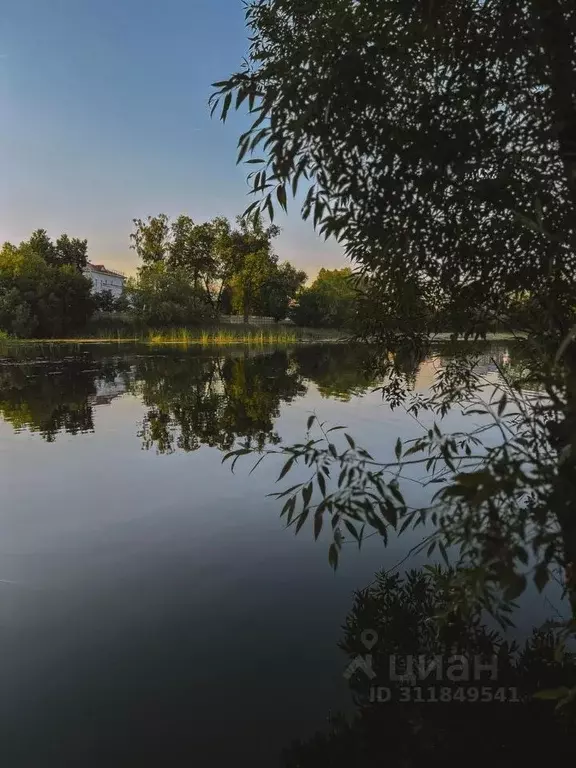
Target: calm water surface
x=153, y=608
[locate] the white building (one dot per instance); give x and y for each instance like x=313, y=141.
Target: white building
x=104, y=279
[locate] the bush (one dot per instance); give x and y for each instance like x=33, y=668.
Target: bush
x=120, y=324
x=40, y=300
x=163, y=298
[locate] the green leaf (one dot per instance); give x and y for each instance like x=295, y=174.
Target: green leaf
x=286, y=468
x=318, y=521
x=310, y=421
x=447, y=460
x=243, y=150
x=288, y=505
x=321, y=483
x=281, y=195
x=286, y=492
x=251, y=207
x=414, y=449
x=405, y=524
x=226, y=106
x=318, y=211
x=398, y=448
x=390, y=514
x=502, y=404
x=395, y=491
x=261, y=459
x=351, y=442
x=301, y=519
x=295, y=184
x=352, y=530
x=241, y=95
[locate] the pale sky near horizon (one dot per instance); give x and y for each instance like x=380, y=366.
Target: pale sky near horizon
x=105, y=119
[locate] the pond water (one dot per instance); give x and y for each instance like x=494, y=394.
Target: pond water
x=153, y=606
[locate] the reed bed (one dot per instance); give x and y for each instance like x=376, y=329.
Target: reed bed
x=203, y=336
x=220, y=336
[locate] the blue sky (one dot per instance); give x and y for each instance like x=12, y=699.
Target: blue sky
x=104, y=118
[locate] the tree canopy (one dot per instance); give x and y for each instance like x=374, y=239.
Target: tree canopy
x=42, y=289
x=436, y=140
x=329, y=302
x=70, y=251
x=163, y=297
x=231, y=268
x=437, y=143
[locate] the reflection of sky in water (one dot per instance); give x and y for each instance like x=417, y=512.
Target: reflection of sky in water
x=155, y=599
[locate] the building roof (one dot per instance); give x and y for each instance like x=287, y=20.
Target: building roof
x=103, y=271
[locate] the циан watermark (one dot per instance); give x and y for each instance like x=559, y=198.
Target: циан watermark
x=436, y=694
x=457, y=677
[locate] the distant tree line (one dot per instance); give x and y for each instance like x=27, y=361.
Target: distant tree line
x=189, y=274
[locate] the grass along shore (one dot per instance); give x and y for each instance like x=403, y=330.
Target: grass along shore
x=238, y=334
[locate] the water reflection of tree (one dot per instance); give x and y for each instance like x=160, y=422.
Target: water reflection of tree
x=46, y=399
x=339, y=371
x=199, y=400
x=192, y=397
x=483, y=717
